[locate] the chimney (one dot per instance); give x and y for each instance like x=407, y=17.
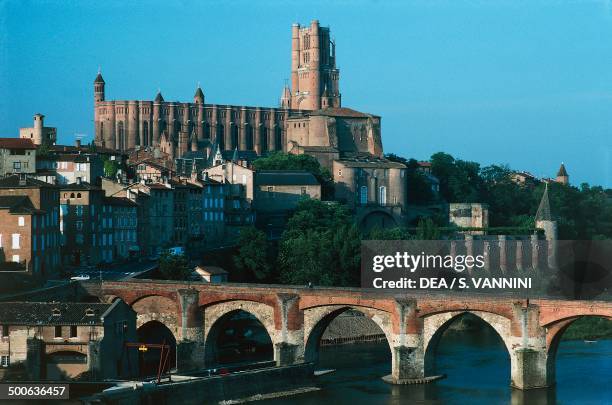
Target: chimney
x=78, y=180
x=77, y=143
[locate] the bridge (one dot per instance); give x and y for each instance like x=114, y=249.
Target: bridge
x=296, y=317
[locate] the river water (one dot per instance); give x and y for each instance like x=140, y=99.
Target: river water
x=478, y=372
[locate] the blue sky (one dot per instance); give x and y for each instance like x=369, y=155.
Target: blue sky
x=525, y=83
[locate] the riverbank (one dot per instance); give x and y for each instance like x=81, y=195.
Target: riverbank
x=240, y=387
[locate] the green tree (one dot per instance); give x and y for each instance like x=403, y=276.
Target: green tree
x=427, y=230
x=459, y=179
x=418, y=188
x=174, y=267
x=252, y=258
x=111, y=167
x=321, y=245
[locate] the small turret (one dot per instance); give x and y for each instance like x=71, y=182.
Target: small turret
x=285, y=100
x=562, y=176
x=99, y=88
x=198, y=97
x=159, y=98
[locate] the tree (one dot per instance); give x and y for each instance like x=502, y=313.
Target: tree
x=252, y=258
x=418, y=188
x=111, y=167
x=174, y=267
x=321, y=245
x=427, y=230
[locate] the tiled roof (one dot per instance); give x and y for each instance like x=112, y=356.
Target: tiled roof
x=16, y=143
x=17, y=204
x=82, y=186
x=285, y=178
x=340, y=112
x=13, y=181
x=370, y=162
x=52, y=313
x=119, y=201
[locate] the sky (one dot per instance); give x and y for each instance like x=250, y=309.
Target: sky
x=522, y=83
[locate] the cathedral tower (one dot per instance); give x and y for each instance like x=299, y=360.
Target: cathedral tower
x=313, y=68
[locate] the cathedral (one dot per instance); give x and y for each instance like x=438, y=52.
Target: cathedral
x=309, y=119
x=177, y=127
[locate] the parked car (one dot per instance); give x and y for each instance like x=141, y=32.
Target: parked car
x=80, y=277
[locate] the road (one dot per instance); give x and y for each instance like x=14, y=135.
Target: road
x=115, y=272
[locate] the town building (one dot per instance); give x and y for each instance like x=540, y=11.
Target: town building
x=29, y=224
x=469, y=215
x=277, y=194
x=281, y=190
x=233, y=173
x=65, y=168
x=39, y=134
x=17, y=156
x=63, y=341
x=212, y=274
x=374, y=188
x=124, y=223
x=80, y=223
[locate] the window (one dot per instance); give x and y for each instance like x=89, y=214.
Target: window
x=5, y=330
x=363, y=195
x=340, y=172
x=73, y=331
x=58, y=331
x=4, y=361
x=382, y=195
x=71, y=195
x=78, y=195
x=15, y=244
x=78, y=208
x=21, y=221
x=17, y=166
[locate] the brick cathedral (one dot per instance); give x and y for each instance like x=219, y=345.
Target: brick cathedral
x=309, y=120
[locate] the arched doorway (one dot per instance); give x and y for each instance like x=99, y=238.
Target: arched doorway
x=64, y=365
x=470, y=352
x=348, y=339
x=377, y=219
x=582, y=348
x=238, y=337
x=155, y=332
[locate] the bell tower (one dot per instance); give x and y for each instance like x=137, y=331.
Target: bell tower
x=314, y=76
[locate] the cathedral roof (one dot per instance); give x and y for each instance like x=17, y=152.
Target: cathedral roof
x=99, y=78
x=562, y=171
x=340, y=112
x=159, y=97
x=543, y=213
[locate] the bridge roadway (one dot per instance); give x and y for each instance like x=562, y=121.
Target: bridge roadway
x=296, y=317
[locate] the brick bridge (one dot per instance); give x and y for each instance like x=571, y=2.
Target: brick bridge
x=295, y=318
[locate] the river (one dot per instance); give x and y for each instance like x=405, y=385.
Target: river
x=478, y=372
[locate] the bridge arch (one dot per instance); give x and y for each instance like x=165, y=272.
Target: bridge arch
x=160, y=309
x=216, y=314
x=317, y=319
x=554, y=334
x=435, y=325
x=155, y=332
